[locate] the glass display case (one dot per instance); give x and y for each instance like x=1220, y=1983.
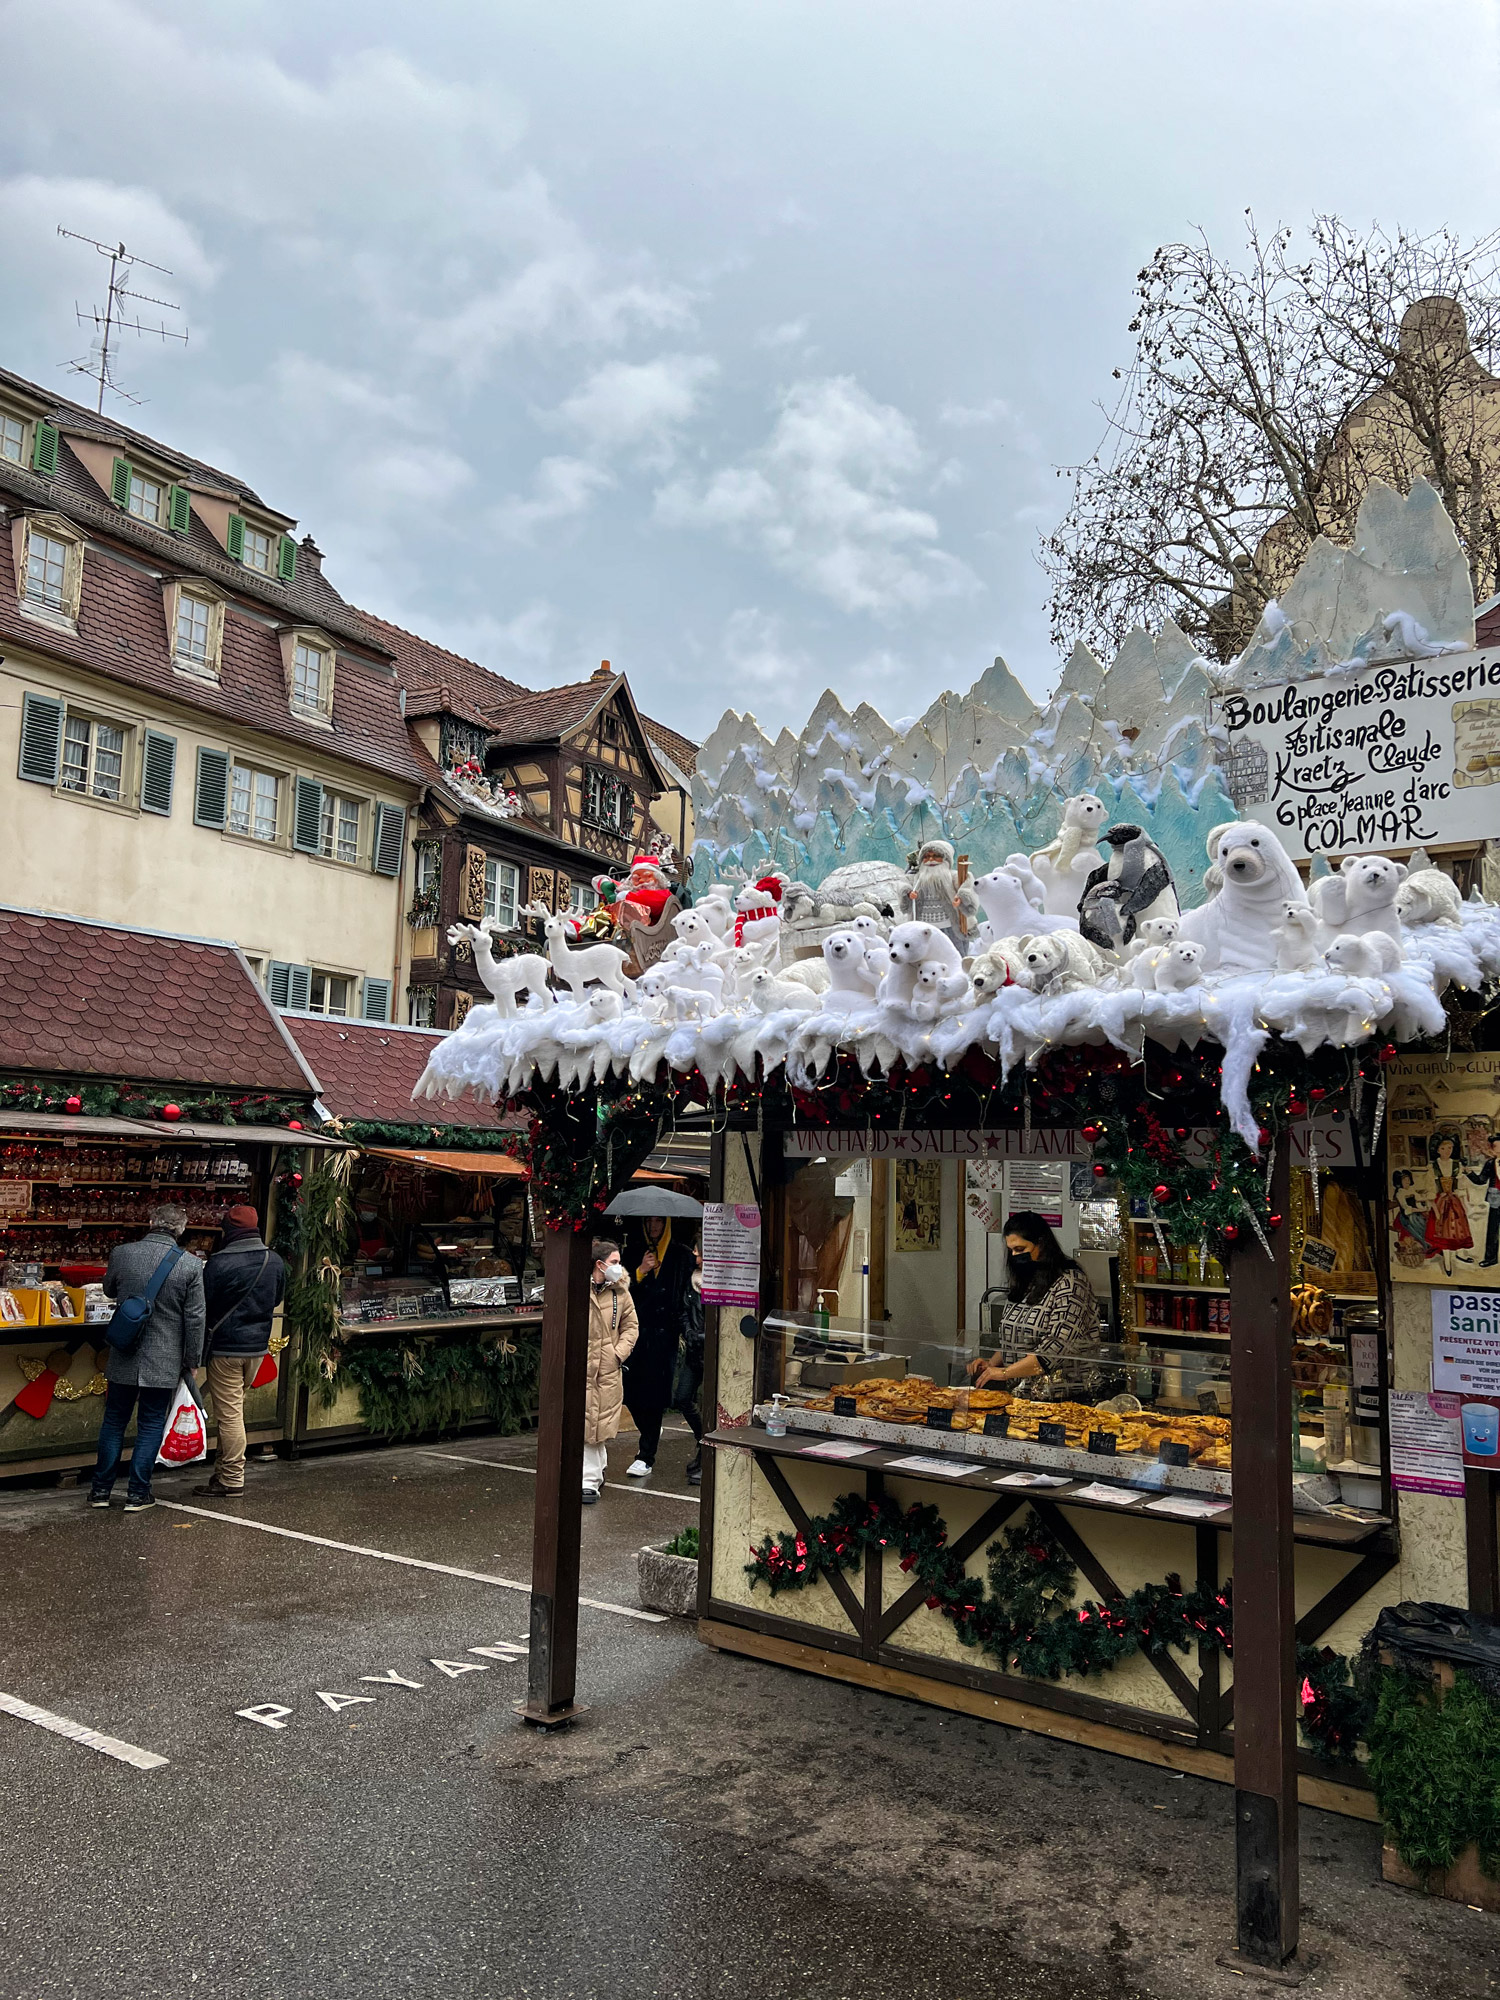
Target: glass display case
x=1146, y=1414
x=430, y=1244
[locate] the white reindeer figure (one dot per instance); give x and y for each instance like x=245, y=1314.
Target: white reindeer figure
x=505, y=977
x=575, y=968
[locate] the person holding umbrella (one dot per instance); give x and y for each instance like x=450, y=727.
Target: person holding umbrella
x=662, y=1279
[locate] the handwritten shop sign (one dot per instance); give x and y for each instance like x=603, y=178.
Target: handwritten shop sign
x=1390, y=757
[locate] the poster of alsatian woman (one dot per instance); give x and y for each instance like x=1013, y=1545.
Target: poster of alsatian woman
x=1443, y=1169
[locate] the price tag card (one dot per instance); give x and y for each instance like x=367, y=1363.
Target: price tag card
x=845, y=1406
x=939, y=1420
x=1102, y=1443
x=1169, y=1453
x=997, y=1424
x=1052, y=1434
x=1105, y=1496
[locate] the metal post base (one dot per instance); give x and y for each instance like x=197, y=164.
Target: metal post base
x=555, y=1718
x=1291, y=1974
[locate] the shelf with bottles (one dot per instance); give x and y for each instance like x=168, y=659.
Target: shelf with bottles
x=122, y=1163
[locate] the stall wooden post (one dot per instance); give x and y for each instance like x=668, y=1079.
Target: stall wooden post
x=1265, y=1721
x=1482, y=1539
x=553, y=1660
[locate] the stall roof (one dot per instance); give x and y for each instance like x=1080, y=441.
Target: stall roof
x=80, y=997
x=367, y=1070
x=47, y=1123
x=451, y=1163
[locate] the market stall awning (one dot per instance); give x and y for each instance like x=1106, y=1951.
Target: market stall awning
x=451, y=1163
x=82, y=1127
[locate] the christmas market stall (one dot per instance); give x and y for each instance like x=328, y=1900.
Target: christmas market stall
x=136, y=1068
x=420, y=1309
x=1171, y=1539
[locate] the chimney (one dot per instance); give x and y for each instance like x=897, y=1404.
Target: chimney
x=309, y=557
x=603, y=671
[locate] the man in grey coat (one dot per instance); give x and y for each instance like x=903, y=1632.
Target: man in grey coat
x=170, y=1347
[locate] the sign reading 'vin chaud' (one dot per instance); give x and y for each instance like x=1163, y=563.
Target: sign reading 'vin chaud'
x=1393, y=756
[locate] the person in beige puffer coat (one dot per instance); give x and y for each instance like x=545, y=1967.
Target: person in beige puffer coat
x=613, y=1331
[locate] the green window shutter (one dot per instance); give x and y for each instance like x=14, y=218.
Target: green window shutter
x=390, y=834
x=377, y=999
x=278, y=982
x=44, y=449
x=234, y=537
x=211, y=805
x=158, y=768
x=119, y=482
x=307, y=817
x=299, y=987
x=286, y=559
x=180, y=509
x=41, y=738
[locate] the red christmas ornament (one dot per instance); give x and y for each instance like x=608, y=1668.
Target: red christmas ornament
x=74, y=1105
x=1293, y=1108
x=1100, y=1170
x=293, y=1125
x=171, y=1112
x=1181, y=1131
x=1273, y=1221
x=296, y=1180
x=1264, y=1136
x=1231, y=1232
x=1161, y=1192
x=1093, y=1133
x=1388, y=1052
x=1317, y=1094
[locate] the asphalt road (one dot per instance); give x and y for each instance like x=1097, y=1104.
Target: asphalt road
x=713, y=1828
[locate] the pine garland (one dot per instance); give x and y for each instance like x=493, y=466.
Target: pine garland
x=1026, y=1618
x=439, y=1385
x=103, y=1098
x=315, y=1221
x=1435, y=1768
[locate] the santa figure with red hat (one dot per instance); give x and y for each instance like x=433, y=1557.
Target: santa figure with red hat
x=646, y=893
x=757, y=910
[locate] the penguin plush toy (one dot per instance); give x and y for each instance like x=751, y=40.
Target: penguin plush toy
x=1134, y=883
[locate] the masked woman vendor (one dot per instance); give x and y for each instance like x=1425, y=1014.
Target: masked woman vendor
x=1050, y=1314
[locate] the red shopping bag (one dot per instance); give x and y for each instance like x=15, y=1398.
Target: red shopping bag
x=185, y=1439
x=265, y=1373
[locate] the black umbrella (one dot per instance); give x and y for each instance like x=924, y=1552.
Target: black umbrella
x=654, y=1201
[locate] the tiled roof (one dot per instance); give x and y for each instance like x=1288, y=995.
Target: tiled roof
x=85, y=999
x=122, y=634
x=421, y=665
x=682, y=750
x=538, y=714
x=367, y=1071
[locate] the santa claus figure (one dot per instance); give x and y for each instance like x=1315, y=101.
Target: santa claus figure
x=757, y=910
x=600, y=921
x=646, y=892
x=933, y=894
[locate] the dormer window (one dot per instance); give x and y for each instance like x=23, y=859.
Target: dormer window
x=48, y=557
x=258, y=550
x=194, y=613
x=309, y=665
x=194, y=619
x=46, y=571
x=147, y=500
x=12, y=438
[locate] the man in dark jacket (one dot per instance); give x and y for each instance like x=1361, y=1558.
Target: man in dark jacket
x=664, y=1301
x=170, y=1347
x=243, y=1283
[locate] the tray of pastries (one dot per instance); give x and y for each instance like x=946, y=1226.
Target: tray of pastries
x=906, y=1400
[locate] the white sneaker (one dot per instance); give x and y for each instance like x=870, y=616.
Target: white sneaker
x=639, y=1470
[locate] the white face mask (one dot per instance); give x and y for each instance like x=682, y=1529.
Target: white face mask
x=614, y=1274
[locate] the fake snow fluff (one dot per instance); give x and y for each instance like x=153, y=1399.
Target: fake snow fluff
x=1370, y=953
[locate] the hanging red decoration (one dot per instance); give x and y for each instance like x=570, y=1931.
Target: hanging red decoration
x=1273, y=1220
x=1100, y=1170
x=1317, y=1094
x=171, y=1112
x=1093, y=1133
x=1388, y=1052
x=1232, y=1232
x=294, y=1125
x=1161, y=1192
x=74, y=1105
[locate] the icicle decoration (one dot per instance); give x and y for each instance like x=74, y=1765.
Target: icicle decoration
x=1265, y=1241
x=1379, y=1117
x=1270, y=1164
x=1313, y=1172
x=1161, y=1239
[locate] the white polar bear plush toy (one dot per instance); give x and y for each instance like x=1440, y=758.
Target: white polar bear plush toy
x=1009, y=911
x=1427, y=896
x=1299, y=939
x=770, y=995
x=1060, y=962
x=1361, y=898
x=1153, y=934
x=1179, y=966
x=1366, y=955
x=937, y=990
x=1237, y=929
x=848, y=985
x=911, y=946
x=1064, y=865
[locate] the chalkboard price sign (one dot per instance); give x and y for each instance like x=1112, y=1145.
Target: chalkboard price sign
x=845, y=1406
x=1102, y=1443
x=1172, y=1454
x=1052, y=1434
x=939, y=1420
x=997, y=1424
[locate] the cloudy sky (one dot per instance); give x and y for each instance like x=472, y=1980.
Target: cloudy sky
x=736, y=345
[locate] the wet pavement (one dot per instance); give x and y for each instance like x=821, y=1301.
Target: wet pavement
x=714, y=1827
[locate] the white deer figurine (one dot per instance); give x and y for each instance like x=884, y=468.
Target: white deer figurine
x=505, y=977
x=576, y=966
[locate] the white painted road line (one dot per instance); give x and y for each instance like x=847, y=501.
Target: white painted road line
x=408, y=1562
x=78, y=1732
x=614, y=1485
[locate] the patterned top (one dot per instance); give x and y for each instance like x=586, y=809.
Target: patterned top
x=1051, y=1323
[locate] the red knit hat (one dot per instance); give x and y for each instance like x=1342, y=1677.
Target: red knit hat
x=241, y=1216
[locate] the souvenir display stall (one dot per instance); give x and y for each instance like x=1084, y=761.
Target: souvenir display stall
x=1199, y=1100
x=428, y=1313
x=135, y=1069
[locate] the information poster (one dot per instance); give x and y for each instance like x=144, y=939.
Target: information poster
x=731, y=1254
x=1443, y=1157
x=917, y=1210
x=1427, y=1454
x=1037, y=1185
x=1466, y=1343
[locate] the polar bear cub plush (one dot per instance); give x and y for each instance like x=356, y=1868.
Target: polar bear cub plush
x=1153, y=934
x=1369, y=955
x=848, y=980
x=1179, y=966
x=1427, y=896
x=1059, y=962
x=936, y=990
x=1361, y=897
x=1299, y=939
x=912, y=946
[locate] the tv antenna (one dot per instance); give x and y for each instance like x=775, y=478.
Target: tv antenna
x=115, y=318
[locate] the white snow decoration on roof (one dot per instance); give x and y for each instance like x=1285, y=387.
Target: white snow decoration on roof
x=495, y=1058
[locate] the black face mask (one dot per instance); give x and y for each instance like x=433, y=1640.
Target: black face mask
x=1022, y=1263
